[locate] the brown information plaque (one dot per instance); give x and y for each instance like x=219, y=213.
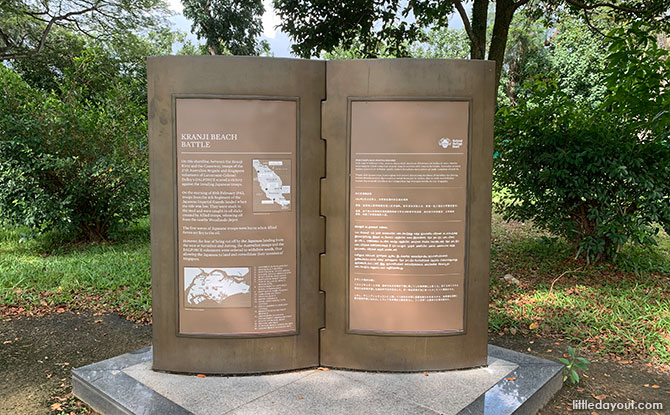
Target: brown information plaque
x=236, y=219
x=407, y=199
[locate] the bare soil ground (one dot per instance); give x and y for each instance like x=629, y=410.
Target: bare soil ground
x=38, y=353
x=611, y=381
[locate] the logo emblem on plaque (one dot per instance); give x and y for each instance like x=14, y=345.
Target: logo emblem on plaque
x=444, y=142
x=454, y=143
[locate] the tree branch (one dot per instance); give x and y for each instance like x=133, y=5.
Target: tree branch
x=592, y=27
x=466, y=25
x=5, y=38
x=520, y=3
x=585, y=6
x=68, y=17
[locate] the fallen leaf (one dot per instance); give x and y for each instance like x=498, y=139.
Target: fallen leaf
x=599, y=397
x=299, y=396
x=7, y=342
x=624, y=362
x=655, y=386
x=425, y=373
x=200, y=375
x=56, y=407
x=66, y=364
x=323, y=369
x=533, y=325
x=548, y=350
x=511, y=379
x=512, y=330
x=97, y=321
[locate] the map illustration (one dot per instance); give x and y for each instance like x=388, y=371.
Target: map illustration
x=272, y=185
x=217, y=287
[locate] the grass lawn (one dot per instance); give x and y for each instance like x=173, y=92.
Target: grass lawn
x=106, y=276
x=620, y=310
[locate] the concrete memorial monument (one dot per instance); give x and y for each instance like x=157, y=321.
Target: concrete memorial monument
x=311, y=213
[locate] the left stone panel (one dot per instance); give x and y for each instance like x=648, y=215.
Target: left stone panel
x=236, y=159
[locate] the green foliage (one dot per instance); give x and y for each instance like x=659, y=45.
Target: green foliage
x=121, y=57
x=638, y=75
x=526, y=57
x=320, y=25
x=439, y=43
x=73, y=156
x=579, y=59
x=559, y=49
x=586, y=155
x=228, y=26
x=582, y=174
x=189, y=48
x=70, y=164
x=443, y=43
x=46, y=70
x=572, y=363
x=355, y=51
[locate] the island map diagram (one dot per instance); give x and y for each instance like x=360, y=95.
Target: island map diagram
x=272, y=185
x=217, y=287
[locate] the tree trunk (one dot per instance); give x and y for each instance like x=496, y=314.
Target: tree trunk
x=504, y=12
x=480, y=10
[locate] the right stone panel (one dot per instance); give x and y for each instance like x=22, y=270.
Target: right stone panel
x=408, y=215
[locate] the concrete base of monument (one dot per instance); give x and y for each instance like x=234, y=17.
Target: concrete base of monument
x=512, y=383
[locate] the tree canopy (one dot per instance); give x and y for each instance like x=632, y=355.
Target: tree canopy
x=323, y=25
x=26, y=25
x=228, y=26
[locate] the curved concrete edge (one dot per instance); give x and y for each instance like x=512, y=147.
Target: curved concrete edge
x=524, y=391
x=105, y=388
x=108, y=390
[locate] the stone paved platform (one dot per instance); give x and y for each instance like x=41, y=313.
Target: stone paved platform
x=512, y=383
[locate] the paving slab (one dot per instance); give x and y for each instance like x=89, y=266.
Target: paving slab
x=511, y=383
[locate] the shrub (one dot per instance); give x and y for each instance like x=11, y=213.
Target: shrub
x=70, y=165
x=587, y=175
